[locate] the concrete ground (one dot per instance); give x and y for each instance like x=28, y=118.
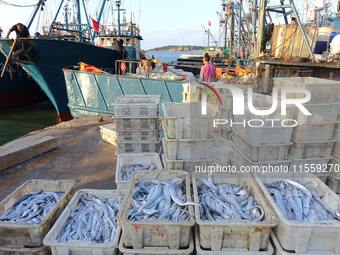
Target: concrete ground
x=81, y=156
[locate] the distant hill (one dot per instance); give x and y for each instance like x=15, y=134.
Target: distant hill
x=177, y=48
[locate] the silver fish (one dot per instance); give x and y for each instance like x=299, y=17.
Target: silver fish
x=32, y=208
x=128, y=169
x=93, y=220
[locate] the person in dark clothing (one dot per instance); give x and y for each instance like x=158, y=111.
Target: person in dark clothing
x=21, y=31
x=153, y=64
x=121, y=50
x=0, y=32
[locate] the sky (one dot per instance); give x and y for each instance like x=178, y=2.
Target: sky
x=162, y=22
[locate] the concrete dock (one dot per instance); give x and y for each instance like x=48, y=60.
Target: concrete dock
x=81, y=155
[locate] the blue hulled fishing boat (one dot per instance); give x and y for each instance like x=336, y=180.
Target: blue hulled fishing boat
x=68, y=44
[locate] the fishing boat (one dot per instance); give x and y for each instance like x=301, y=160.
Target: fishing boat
x=17, y=88
x=68, y=44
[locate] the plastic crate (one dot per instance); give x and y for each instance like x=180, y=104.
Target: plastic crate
x=108, y=133
x=258, y=153
x=160, y=233
x=304, y=165
x=135, y=124
x=137, y=147
x=336, y=150
x=335, y=167
x=22, y=250
x=314, y=132
x=133, y=158
x=83, y=247
x=192, y=87
x=185, y=121
x=185, y=149
x=322, y=90
x=265, y=134
x=320, y=149
x=157, y=250
x=201, y=251
x=135, y=99
x=321, y=113
x=334, y=183
x=241, y=234
x=241, y=160
x=223, y=151
x=305, y=237
x=32, y=234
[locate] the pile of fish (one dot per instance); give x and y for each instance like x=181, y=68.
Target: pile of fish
x=227, y=202
x=159, y=200
x=93, y=220
x=300, y=203
x=32, y=208
x=128, y=169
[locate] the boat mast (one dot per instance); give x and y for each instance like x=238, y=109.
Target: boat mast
x=79, y=19
x=118, y=4
x=39, y=4
x=55, y=17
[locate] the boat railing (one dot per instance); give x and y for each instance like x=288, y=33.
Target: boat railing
x=126, y=66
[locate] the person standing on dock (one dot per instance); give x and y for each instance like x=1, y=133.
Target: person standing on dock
x=208, y=70
x=21, y=31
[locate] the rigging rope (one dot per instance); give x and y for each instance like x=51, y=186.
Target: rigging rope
x=16, y=5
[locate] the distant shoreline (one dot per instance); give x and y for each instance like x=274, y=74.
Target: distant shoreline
x=174, y=48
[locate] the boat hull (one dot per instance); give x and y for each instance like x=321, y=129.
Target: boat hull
x=92, y=94
x=47, y=58
x=17, y=88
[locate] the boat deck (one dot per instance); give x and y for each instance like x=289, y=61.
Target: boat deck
x=81, y=155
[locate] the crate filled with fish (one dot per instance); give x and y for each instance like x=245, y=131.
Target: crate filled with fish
x=308, y=213
x=137, y=106
x=157, y=250
x=229, y=251
x=130, y=163
x=231, y=213
x=23, y=250
x=88, y=225
x=159, y=211
x=260, y=152
x=185, y=121
x=27, y=214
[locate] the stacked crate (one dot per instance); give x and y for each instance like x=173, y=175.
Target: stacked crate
x=265, y=145
x=136, y=124
x=192, y=92
x=313, y=139
x=188, y=137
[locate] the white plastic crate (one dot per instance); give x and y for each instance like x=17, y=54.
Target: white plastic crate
x=314, y=132
x=185, y=149
x=137, y=147
x=108, y=133
x=134, y=158
x=185, y=165
x=336, y=150
x=241, y=160
x=223, y=132
x=309, y=164
x=305, y=237
x=22, y=250
x=320, y=149
x=240, y=234
x=321, y=113
x=192, y=87
x=322, y=90
x=335, y=167
x=137, y=106
x=256, y=153
x=185, y=121
x=226, y=251
x=334, y=183
x=157, y=250
x=135, y=99
x=135, y=123
x=32, y=235
x=160, y=233
x=137, y=136
x=265, y=134
x=83, y=247
x=223, y=151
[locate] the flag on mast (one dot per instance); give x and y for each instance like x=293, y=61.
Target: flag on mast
x=95, y=25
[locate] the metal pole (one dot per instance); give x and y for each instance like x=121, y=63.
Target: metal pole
x=56, y=16
x=100, y=15
x=34, y=13
x=239, y=25
x=254, y=20
x=232, y=27
x=66, y=18
x=261, y=21
x=79, y=18
x=88, y=21
x=303, y=31
x=118, y=3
